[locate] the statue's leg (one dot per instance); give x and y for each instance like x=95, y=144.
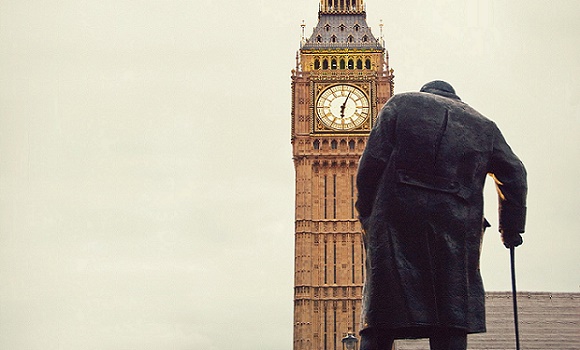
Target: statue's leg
x=449, y=340
x=376, y=339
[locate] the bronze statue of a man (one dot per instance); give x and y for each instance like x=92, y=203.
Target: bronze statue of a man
x=420, y=200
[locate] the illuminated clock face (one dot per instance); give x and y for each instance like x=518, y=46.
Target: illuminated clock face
x=342, y=107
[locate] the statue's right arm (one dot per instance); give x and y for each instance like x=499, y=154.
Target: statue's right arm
x=374, y=161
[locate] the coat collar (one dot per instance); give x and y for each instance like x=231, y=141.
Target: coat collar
x=442, y=93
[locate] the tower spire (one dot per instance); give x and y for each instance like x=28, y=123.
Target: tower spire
x=342, y=24
x=382, y=37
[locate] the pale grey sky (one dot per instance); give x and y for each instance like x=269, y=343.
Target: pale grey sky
x=146, y=180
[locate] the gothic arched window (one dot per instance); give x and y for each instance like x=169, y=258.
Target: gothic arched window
x=350, y=64
x=368, y=64
x=359, y=64
x=325, y=64
x=316, y=64
x=342, y=64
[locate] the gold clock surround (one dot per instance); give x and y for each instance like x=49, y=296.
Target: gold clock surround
x=342, y=107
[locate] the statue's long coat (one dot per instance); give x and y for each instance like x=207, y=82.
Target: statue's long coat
x=420, y=184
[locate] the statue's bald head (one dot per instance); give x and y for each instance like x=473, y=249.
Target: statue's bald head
x=439, y=87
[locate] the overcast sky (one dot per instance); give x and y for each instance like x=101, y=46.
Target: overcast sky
x=146, y=178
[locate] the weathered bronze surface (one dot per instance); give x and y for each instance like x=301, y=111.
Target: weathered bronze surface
x=420, y=186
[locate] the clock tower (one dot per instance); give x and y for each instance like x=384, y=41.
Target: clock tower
x=341, y=80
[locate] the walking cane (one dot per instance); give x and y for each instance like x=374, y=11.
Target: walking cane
x=513, y=266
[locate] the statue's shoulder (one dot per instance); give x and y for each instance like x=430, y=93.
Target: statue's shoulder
x=417, y=101
x=424, y=97
x=408, y=96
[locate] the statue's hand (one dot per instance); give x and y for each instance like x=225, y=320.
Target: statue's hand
x=511, y=239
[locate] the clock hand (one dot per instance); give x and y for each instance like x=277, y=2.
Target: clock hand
x=344, y=104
